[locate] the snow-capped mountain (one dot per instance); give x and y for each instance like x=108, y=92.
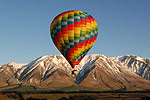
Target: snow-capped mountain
x=95, y=71
x=136, y=64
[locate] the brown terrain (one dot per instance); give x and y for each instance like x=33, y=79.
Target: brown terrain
x=95, y=73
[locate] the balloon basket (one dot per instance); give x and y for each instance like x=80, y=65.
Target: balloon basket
x=74, y=72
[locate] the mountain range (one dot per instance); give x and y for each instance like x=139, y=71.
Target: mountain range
x=94, y=72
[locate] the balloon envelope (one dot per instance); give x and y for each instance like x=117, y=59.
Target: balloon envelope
x=74, y=33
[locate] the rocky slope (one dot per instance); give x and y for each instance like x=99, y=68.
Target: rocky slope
x=136, y=64
x=97, y=72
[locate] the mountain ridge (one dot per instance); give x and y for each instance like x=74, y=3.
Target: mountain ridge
x=95, y=71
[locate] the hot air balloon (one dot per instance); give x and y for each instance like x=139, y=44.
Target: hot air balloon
x=74, y=33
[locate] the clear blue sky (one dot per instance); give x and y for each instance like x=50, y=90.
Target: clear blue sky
x=124, y=27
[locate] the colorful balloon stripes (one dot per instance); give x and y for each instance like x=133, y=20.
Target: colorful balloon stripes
x=74, y=33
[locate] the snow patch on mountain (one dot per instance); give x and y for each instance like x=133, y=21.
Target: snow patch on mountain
x=16, y=66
